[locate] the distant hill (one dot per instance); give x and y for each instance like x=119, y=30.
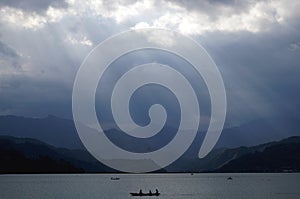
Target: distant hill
x=259, y=131
x=23, y=155
x=62, y=132
x=52, y=130
x=234, y=143
x=278, y=156
x=283, y=156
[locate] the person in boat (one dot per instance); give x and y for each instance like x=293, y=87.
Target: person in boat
x=141, y=193
x=156, y=192
x=150, y=193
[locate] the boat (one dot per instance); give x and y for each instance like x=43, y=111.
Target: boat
x=144, y=194
x=229, y=178
x=114, y=178
x=156, y=193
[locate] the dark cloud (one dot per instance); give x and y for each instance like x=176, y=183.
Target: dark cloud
x=34, y=5
x=5, y=50
x=45, y=87
x=216, y=8
x=9, y=57
x=260, y=71
x=35, y=97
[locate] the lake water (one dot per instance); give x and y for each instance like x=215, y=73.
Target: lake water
x=206, y=186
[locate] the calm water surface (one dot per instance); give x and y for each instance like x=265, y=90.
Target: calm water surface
x=206, y=186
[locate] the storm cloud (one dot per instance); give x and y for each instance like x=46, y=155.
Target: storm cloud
x=255, y=44
x=34, y=5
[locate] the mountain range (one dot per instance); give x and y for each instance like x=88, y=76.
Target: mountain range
x=23, y=155
x=62, y=132
x=51, y=145
x=27, y=155
x=51, y=129
x=277, y=156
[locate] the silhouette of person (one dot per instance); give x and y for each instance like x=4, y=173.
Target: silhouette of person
x=156, y=191
x=140, y=192
x=150, y=193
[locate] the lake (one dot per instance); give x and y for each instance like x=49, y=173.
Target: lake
x=206, y=186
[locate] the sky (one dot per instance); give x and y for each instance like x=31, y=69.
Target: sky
x=255, y=44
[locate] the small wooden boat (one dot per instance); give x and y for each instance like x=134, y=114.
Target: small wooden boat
x=156, y=193
x=229, y=178
x=114, y=178
x=145, y=194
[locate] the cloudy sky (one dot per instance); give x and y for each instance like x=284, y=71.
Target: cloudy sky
x=255, y=44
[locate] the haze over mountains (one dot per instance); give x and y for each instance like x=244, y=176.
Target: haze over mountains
x=21, y=155
x=51, y=145
x=25, y=155
x=62, y=132
x=52, y=130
